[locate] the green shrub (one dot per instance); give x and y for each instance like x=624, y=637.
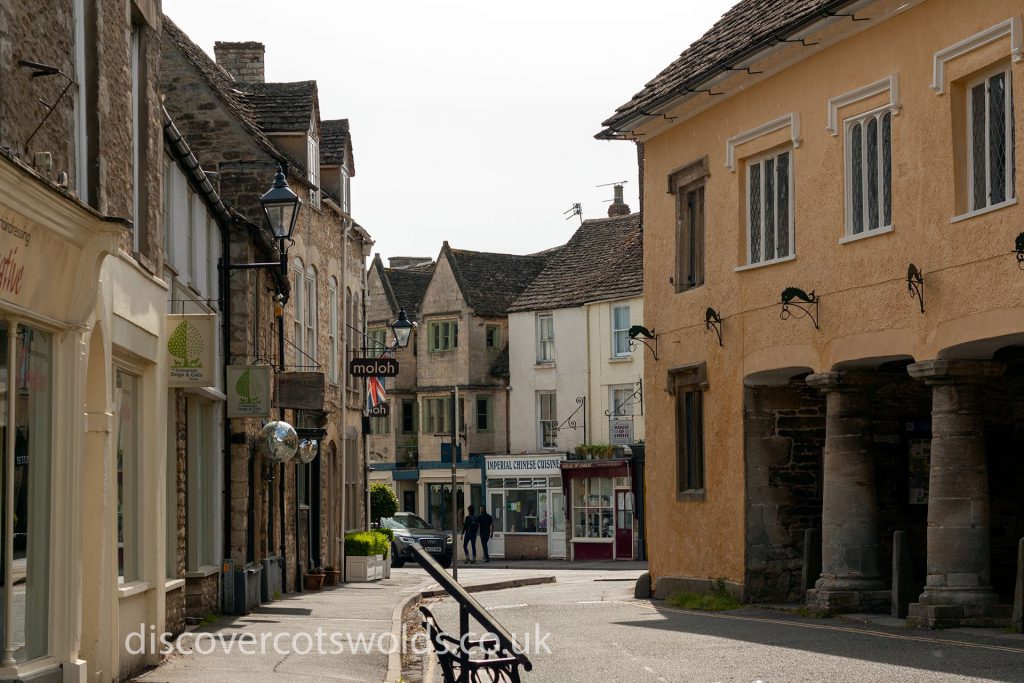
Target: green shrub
x=383, y=501
x=388, y=535
x=717, y=599
x=366, y=543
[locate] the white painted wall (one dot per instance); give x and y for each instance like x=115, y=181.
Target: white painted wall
x=607, y=371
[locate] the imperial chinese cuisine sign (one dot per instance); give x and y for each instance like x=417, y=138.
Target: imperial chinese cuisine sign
x=190, y=350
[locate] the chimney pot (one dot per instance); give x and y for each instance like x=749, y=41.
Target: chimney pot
x=618, y=206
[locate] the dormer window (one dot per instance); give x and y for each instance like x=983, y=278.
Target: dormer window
x=313, y=164
x=343, y=191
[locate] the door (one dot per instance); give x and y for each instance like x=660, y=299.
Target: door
x=409, y=501
x=556, y=533
x=623, y=525
x=496, y=548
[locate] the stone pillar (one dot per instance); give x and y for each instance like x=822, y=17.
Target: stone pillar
x=958, y=589
x=851, y=577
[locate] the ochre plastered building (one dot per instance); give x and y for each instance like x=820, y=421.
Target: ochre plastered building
x=827, y=146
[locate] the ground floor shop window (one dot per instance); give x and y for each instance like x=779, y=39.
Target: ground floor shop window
x=126, y=410
x=520, y=505
x=592, y=508
x=439, y=504
x=26, y=473
x=202, y=489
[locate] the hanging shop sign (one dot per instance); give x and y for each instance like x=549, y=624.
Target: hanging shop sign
x=621, y=432
x=379, y=410
x=543, y=465
x=300, y=390
x=248, y=390
x=373, y=367
x=191, y=343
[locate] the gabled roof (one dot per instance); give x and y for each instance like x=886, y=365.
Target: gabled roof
x=750, y=26
x=404, y=287
x=336, y=145
x=281, y=107
x=491, y=282
x=603, y=260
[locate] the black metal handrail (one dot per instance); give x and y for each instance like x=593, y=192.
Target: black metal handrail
x=508, y=653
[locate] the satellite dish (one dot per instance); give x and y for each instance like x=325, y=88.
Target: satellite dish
x=279, y=441
x=307, y=451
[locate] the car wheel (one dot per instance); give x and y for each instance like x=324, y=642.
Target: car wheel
x=396, y=561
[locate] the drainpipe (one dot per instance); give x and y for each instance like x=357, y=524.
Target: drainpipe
x=366, y=455
x=347, y=223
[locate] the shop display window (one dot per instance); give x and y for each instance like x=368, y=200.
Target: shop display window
x=592, y=508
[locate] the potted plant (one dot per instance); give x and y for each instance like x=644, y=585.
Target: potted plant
x=364, y=555
x=332, y=575
x=314, y=579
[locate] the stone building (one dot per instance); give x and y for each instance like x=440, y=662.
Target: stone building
x=284, y=518
x=577, y=381
x=461, y=341
x=81, y=309
x=804, y=166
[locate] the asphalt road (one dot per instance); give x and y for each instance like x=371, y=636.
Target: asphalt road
x=599, y=633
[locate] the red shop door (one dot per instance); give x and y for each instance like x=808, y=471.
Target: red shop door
x=623, y=525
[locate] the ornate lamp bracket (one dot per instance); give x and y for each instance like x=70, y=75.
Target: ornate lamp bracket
x=639, y=333
x=1019, y=250
x=807, y=304
x=570, y=422
x=915, y=284
x=713, y=321
x=636, y=398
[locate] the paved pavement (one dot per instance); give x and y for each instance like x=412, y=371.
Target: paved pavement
x=599, y=632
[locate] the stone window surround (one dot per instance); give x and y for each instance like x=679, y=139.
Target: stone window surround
x=682, y=378
x=688, y=178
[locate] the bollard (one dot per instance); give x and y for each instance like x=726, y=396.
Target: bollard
x=902, y=575
x=812, y=562
x=1018, y=593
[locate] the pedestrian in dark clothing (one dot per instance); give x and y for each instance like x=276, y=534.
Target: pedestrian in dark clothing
x=469, y=535
x=485, y=525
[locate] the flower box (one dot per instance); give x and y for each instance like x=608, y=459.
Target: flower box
x=362, y=568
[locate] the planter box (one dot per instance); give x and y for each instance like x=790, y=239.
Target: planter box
x=333, y=577
x=364, y=568
x=314, y=582
x=387, y=567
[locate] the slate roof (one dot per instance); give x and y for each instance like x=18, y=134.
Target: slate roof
x=336, y=144
x=409, y=285
x=751, y=25
x=491, y=282
x=281, y=107
x=603, y=260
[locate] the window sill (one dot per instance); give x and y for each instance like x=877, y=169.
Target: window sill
x=695, y=495
x=592, y=540
x=174, y=584
x=130, y=588
x=866, y=234
x=545, y=364
x=763, y=264
x=981, y=212
x=202, y=572
x=621, y=359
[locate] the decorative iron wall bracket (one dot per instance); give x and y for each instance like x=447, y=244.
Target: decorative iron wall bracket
x=807, y=304
x=569, y=422
x=639, y=333
x=636, y=398
x=1019, y=250
x=915, y=284
x=713, y=321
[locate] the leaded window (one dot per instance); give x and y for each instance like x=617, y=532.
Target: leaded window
x=991, y=141
x=769, y=211
x=869, y=172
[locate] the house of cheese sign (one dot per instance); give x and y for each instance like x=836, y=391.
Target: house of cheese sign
x=190, y=350
x=29, y=259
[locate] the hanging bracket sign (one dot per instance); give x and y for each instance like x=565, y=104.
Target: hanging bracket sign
x=190, y=350
x=373, y=367
x=248, y=390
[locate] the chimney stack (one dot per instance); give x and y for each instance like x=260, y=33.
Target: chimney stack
x=244, y=61
x=401, y=262
x=618, y=206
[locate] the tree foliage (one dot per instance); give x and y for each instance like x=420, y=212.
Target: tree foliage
x=383, y=501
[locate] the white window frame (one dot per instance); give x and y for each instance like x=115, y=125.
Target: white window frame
x=311, y=318
x=545, y=345
x=313, y=162
x=298, y=327
x=624, y=331
x=759, y=161
x=550, y=419
x=332, y=335
x=848, y=124
x=201, y=485
x=190, y=237
x=130, y=484
x=345, y=191
x=1010, y=142
x=628, y=390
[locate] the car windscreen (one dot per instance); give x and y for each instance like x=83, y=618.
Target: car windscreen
x=406, y=521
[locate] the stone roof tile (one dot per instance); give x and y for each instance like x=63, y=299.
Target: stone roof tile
x=490, y=282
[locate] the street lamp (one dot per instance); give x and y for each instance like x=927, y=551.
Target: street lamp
x=281, y=206
x=402, y=328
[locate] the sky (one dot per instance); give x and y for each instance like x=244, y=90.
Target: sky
x=472, y=121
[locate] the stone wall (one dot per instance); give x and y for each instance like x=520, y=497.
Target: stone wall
x=784, y=430
x=202, y=596
x=523, y=547
x=175, y=611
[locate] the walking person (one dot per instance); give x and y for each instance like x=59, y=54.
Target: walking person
x=469, y=527
x=484, y=525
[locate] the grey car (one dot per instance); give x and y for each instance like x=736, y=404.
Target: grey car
x=408, y=529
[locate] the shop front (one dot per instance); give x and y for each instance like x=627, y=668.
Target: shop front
x=524, y=495
x=600, y=495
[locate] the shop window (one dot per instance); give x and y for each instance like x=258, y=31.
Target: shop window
x=547, y=424
x=620, y=331
x=492, y=334
x=769, y=208
x=443, y=335
x=523, y=511
x=592, y=508
x=127, y=403
x=545, y=338
x=28, y=603
x=484, y=414
x=688, y=384
x=990, y=140
x=869, y=173
x=202, y=489
x=687, y=184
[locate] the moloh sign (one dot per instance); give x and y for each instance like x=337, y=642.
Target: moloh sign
x=373, y=367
